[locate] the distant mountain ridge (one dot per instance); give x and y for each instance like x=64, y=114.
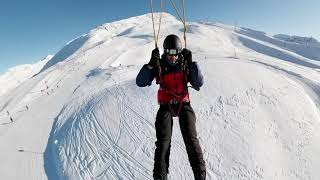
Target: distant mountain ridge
x=19, y=74
x=298, y=39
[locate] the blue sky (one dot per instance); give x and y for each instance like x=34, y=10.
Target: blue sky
x=32, y=29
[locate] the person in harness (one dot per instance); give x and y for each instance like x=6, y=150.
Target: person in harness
x=172, y=72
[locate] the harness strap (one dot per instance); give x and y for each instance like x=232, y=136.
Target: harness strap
x=186, y=72
x=159, y=79
x=176, y=95
x=180, y=97
x=172, y=111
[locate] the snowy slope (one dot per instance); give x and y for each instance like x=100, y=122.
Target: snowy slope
x=305, y=47
x=258, y=111
x=18, y=74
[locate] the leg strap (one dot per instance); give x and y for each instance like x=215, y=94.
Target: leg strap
x=175, y=107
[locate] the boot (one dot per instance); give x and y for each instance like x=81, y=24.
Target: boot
x=200, y=175
x=160, y=177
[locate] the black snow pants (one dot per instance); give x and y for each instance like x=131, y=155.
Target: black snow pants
x=163, y=124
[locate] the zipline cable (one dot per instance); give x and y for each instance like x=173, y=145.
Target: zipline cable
x=183, y=20
x=184, y=24
x=156, y=37
x=176, y=10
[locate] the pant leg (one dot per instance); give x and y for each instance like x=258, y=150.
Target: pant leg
x=168, y=155
x=187, y=121
x=163, y=126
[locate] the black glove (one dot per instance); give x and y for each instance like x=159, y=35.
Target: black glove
x=187, y=55
x=155, y=56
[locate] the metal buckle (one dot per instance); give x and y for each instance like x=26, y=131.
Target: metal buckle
x=174, y=107
x=173, y=101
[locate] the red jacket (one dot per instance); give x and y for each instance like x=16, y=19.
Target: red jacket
x=173, y=84
x=173, y=80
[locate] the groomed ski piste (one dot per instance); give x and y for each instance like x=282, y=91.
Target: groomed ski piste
x=83, y=117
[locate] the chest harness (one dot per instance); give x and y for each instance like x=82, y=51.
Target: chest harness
x=176, y=100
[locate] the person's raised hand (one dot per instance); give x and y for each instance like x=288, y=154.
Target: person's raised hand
x=155, y=56
x=187, y=55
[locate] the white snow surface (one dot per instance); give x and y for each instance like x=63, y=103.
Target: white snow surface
x=83, y=117
x=19, y=74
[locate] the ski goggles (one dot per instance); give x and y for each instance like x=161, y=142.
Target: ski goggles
x=172, y=52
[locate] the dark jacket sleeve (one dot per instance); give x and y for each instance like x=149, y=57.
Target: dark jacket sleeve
x=145, y=76
x=196, y=78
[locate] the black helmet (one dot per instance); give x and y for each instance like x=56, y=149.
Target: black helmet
x=172, y=42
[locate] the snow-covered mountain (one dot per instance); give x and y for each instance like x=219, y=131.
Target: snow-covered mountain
x=18, y=74
x=298, y=39
x=83, y=117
